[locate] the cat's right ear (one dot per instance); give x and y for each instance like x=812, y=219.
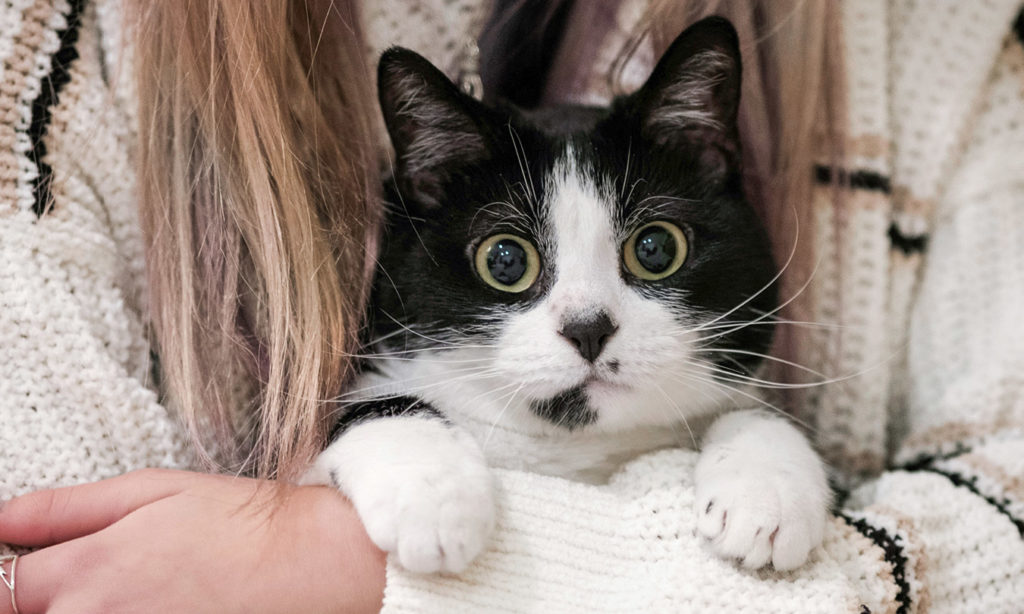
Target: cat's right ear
x=433, y=126
x=695, y=88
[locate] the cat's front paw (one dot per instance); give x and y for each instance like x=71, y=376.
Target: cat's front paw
x=421, y=487
x=436, y=520
x=757, y=519
x=761, y=504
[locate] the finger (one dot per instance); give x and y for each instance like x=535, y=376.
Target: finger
x=52, y=574
x=31, y=589
x=8, y=569
x=52, y=516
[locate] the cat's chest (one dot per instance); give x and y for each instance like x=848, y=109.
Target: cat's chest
x=512, y=436
x=584, y=457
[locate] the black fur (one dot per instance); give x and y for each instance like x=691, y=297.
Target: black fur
x=383, y=408
x=567, y=409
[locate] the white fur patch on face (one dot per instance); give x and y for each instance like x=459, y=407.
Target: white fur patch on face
x=645, y=374
x=584, y=251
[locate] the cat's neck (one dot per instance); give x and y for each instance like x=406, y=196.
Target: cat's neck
x=585, y=455
x=512, y=436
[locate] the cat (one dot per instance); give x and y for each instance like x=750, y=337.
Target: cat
x=562, y=290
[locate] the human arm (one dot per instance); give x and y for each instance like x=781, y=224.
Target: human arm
x=174, y=541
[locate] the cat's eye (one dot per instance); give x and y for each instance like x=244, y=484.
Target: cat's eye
x=507, y=262
x=654, y=251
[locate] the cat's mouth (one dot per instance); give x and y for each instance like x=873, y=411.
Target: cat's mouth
x=596, y=383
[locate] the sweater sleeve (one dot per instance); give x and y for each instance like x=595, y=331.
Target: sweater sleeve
x=957, y=502
x=77, y=398
x=910, y=541
x=966, y=350
x=943, y=531
x=914, y=542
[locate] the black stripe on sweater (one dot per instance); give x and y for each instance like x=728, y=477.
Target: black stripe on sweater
x=971, y=483
x=924, y=461
x=860, y=180
x=908, y=244
x=893, y=553
x=876, y=182
x=49, y=94
x=393, y=407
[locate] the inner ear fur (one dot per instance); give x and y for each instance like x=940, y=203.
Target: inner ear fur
x=695, y=85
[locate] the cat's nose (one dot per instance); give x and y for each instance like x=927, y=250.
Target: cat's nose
x=589, y=334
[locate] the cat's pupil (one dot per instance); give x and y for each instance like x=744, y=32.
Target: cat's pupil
x=655, y=249
x=507, y=262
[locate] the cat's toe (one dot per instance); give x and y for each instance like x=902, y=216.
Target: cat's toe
x=760, y=553
x=738, y=520
x=711, y=518
x=795, y=540
x=432, y=526
x=464, y=532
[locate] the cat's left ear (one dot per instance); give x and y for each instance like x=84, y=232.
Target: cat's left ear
x=695, y=86
x=434, y=127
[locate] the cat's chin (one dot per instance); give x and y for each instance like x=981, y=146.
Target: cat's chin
x=619, y=408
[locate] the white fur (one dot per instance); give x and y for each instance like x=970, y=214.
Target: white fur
x=762, y=493
x=421, y=487
x=651, y=346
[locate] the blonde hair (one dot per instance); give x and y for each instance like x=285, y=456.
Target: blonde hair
x=260, y=209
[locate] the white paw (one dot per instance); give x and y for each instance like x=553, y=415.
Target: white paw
x=436, y=520
x=422, y=490
x=762, y=504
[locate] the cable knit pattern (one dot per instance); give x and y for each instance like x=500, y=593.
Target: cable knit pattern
x=634, y=550
x=930, y=271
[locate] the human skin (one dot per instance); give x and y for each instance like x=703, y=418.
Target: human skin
x=176, y=541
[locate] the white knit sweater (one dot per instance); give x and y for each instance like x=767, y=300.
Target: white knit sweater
x=930, y=270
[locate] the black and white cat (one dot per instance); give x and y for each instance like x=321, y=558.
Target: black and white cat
x=560, y=291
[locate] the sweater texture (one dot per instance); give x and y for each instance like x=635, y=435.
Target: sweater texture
x=927, y=284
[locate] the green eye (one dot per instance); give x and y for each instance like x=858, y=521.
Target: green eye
x=507, y=262
x=655, y=251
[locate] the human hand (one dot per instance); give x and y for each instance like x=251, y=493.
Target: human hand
x=175, y=541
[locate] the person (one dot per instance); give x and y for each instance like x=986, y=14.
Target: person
x=188, y=217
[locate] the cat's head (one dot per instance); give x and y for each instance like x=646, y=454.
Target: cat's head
x=581, y=266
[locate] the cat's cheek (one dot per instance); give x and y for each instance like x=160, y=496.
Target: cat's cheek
x=421, y=487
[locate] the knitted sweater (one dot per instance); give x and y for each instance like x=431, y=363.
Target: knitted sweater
x=930, y=270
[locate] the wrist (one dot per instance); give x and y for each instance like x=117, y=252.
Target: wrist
x=353, y=562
